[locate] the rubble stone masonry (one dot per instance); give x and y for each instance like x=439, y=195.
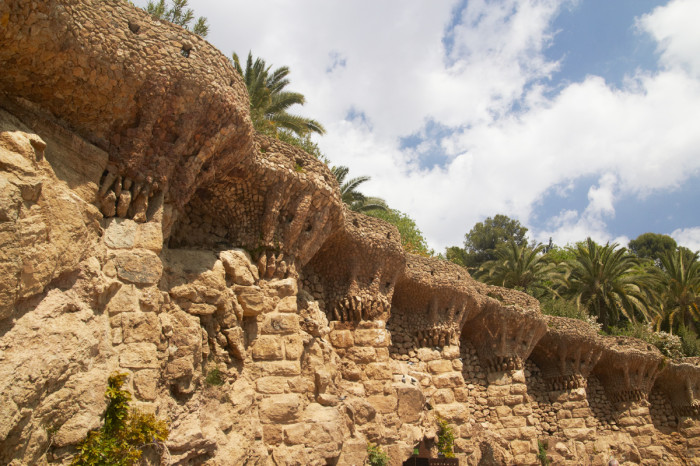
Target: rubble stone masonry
x=145, y=228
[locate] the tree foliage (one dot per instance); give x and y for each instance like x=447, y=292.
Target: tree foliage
x=269, y=101
x=608, y=282
x=412, y=238
x=678, y=286
x=481, y=241
x=376, y=456
x=178, y=14
x=351, y=196
x=446, y=438
x=521, y=267
x=652, y=245
x=124, y=434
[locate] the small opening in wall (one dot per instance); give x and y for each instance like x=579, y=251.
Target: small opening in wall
x=186, y=49
x=356, y=223
x=134, y=27
x=388, y=236
x=309, y=227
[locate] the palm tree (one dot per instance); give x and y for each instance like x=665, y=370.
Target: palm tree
x=178, y=14
x=351, y=196
x=269, y=101
x=678, y=285
x=608, y=282
x=521, y=267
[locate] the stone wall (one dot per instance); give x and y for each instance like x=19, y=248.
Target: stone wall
x=147, y=230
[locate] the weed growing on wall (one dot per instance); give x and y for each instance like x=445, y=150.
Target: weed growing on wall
x=125, y=432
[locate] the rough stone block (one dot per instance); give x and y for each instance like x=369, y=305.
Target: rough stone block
x=440, y=366
x=296, y=434
x=268, y=348
x=362, y=354
x=372, y=337
x=280, y=368
x=141, y=327
x=181, y=367
x=141, y=267
x=378, y=371
x=443, y=396
x=572, y=423
x=283, y=288
x=453, y=412
x=126, y=299
x=250, y=298
x=427, y=354
x=450, y=380
x=145, y=384
x=276, y=323
x=341, y=338
x=383, y=404
x=282, y=409
x=238, y=266
x=272, y=434
x=201, y=309
x=139, y=356
x=119, y=233
x=149, y=236
x=293, y=346
x=410, y=404
x=271, y=385
x=288, y=304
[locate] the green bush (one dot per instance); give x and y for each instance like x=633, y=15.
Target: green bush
x=376, y=456
x=669, y=345
x=542, y=453
x=214, y=377
x=446, y=439
x=690, y=343
x=124, y=434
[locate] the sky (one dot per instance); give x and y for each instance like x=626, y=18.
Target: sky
x=577, y=118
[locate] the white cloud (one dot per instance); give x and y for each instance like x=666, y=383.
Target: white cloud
x=397, y=72
x=675, y=28
x=688, y=237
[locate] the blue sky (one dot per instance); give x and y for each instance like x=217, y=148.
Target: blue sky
x=578, y=118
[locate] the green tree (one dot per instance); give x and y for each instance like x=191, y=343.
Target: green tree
x=652, y=245
x=350, y=195
x=412, y=238
x=609, y=283
x=521, y=267
x=124, y=434
x=482, y=240
x=269, y=101
x=678, y=287
x=178, y=14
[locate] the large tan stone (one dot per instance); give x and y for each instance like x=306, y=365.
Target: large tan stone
x=282, y=409
x=411, y=403
x=267, y=348
x=239, y=267
x=141, y=267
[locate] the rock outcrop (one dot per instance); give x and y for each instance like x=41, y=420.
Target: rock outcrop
x=146, y=229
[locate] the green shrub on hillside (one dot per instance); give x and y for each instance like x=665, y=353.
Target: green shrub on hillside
x=125, y=432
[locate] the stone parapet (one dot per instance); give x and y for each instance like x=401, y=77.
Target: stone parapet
x=432, y=300
x=357, y=268
x=628, y=368
x=281, y=206
x=680, y=380
x=567, y=353
x=506, y=330
x=168, y=108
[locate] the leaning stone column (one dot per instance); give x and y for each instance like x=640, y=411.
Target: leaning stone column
x=680, y=380
x=504, y=334
x=627, y=370
x=566, y=355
